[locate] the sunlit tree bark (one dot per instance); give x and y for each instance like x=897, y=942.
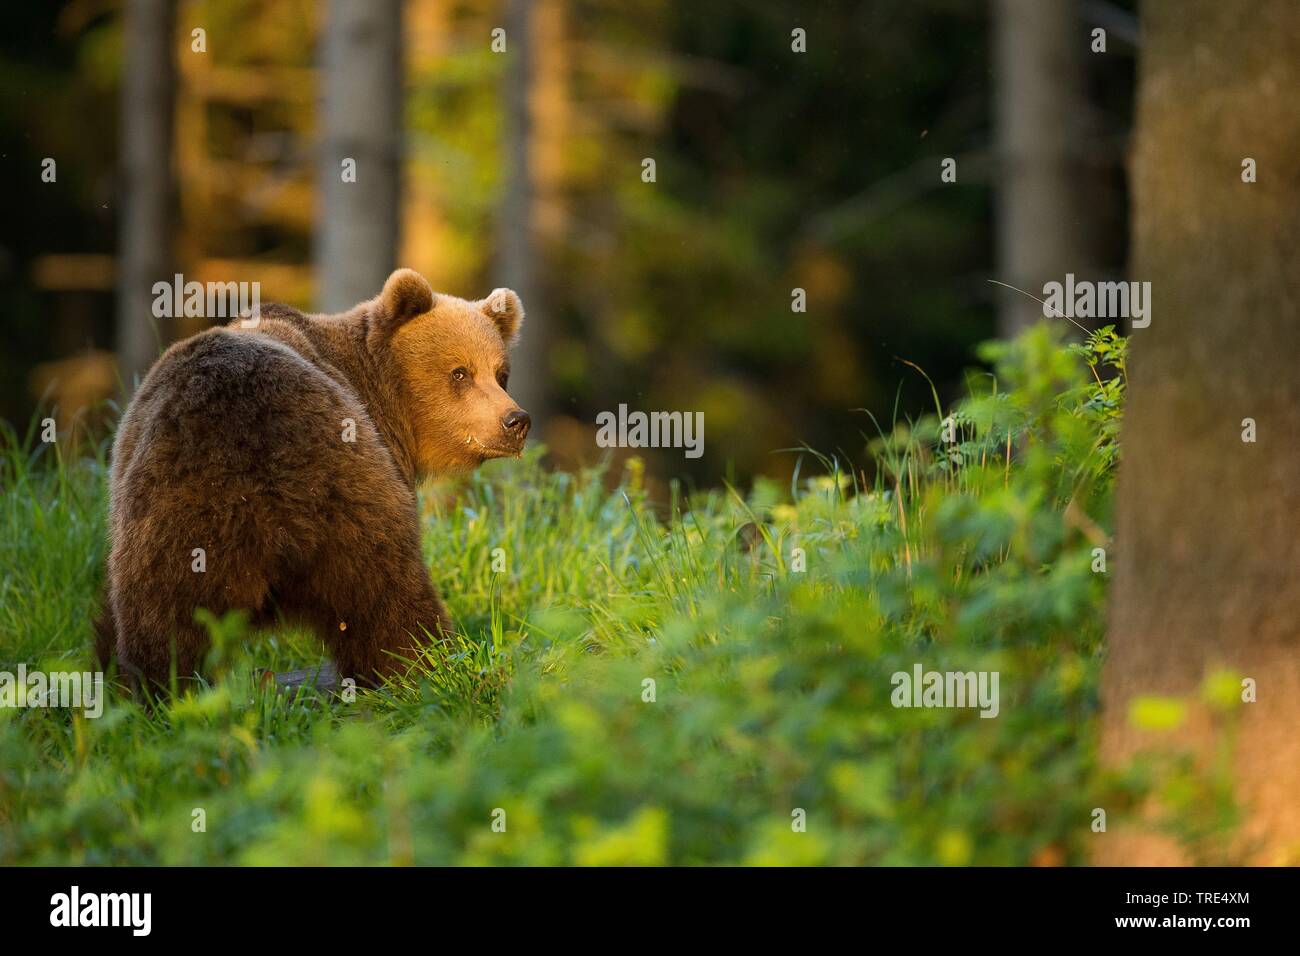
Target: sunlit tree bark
x=1208, y=525
x=360, y=157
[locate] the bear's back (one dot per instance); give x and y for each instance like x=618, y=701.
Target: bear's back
x=233, y=417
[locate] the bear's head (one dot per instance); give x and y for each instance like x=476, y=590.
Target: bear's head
x=451, y=355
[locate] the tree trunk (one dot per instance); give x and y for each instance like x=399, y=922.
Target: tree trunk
x=1039, y=110
x=517, y=241
x=361, y=121
x=148, y=182
x=1208, y=525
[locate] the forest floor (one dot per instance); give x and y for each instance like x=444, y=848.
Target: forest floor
x=725, y=680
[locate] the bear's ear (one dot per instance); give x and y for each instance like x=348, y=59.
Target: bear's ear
x=406, y=294
x=505, y=310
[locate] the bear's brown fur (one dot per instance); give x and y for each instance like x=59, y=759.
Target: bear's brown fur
x=237, y=443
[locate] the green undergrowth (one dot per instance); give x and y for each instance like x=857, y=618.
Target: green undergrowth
x=701, y=681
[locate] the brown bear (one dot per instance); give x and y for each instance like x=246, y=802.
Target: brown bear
x=270, y=465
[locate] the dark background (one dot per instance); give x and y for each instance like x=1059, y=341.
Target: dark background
x=775, y=170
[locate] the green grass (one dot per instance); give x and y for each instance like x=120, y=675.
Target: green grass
x=771, y=685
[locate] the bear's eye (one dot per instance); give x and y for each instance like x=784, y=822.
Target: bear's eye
x=503, y=378
x=460, y=374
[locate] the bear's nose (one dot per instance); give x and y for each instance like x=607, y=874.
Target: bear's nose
x=517, y=420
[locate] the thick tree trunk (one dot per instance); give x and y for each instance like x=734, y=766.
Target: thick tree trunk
x=148, y=182
x=516, y=238
x=1208, y=526
x=1039, y=109
x=361, y=120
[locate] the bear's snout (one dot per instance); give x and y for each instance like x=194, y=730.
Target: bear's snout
x=516, y=423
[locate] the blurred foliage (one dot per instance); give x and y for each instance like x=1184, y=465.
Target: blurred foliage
x=968, y=550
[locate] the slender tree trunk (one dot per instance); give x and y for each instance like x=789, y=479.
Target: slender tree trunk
x=517, y=240
x=360, y=158
x=1208, y=525
x=148, y=182
x=1039, y=110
